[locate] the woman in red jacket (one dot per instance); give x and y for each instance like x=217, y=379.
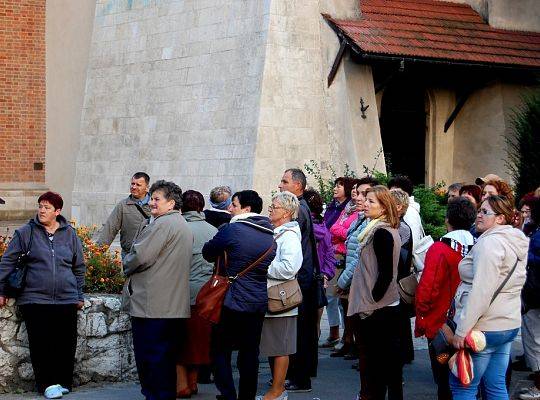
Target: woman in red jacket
x=440, y=279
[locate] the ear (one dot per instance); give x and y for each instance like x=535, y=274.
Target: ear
x=248, y=209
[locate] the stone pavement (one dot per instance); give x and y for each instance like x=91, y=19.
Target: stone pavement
x=336, y=380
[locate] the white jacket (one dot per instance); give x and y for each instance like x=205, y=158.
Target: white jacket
x=288, y=260
x=412, y=218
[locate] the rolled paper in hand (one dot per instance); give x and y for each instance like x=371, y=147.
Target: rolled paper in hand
x=476, y=341
x=461, y=366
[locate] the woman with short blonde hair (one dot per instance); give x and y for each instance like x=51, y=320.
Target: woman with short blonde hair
x=278, y=338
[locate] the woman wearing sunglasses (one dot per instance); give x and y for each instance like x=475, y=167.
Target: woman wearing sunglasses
x=487, y=301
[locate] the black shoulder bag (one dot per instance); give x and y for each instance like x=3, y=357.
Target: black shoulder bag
x=16, y=280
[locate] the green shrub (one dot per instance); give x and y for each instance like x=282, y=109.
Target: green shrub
x=523, y=159
x=432, y=202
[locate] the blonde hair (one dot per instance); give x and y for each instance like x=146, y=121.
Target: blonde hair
x=288, y=201
x=401, y=198
x=384, y=197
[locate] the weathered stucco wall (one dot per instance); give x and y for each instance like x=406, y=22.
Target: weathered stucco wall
x=481, y=128
x=68, y=34
x=104, y=345
x=173, y=89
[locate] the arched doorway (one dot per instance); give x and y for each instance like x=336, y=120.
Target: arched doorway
x=403, y=130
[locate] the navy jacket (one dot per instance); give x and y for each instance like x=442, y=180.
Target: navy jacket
x=530, y=295
x=55, y=272
x=244, y=240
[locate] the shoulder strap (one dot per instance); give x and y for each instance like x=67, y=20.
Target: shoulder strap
x=504, y=282
x=29, y=245
x=255, y=263
x=146, y=216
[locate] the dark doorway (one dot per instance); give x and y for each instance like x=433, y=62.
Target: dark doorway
x=403, y=129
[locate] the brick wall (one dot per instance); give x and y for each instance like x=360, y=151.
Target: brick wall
x=22, y=90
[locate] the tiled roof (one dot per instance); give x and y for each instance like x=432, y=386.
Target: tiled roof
x=436, y=30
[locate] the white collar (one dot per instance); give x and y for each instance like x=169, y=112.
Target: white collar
x=243, y=216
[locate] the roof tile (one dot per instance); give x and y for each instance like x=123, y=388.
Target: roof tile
x=432, y=29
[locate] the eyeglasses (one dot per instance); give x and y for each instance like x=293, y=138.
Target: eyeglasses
x=272, y=207
x=483, y=211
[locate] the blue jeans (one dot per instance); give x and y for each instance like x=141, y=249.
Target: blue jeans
x=489, y=367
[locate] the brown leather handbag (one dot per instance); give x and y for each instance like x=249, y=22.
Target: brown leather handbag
x=284, y=297
x=210, y=298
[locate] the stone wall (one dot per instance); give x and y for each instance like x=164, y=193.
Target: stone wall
x=104, y=346
x=173, y=89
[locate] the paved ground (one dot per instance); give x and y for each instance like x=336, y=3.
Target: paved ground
x=336, y=381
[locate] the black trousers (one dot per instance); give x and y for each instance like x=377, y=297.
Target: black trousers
x=440, y=376
x=303, y=364
x=379, y=357
x=52, y=338
x=405, y=333
x=237, y=331
x=155, y=343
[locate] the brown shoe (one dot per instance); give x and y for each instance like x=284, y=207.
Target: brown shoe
x=184, y=394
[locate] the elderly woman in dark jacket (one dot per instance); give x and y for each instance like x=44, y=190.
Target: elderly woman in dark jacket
x=247, y=237
x=52, y=294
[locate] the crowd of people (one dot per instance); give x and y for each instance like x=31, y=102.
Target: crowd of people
x=476, y=286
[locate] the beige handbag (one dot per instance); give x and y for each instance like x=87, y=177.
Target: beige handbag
x=284, y=297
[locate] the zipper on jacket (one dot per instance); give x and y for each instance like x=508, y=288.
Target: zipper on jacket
x=51, y=243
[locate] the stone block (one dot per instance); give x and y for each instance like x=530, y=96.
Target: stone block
x=121, y=323
x=96, y=325
x=25, y=371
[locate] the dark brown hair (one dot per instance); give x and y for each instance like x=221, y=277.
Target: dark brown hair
x=347, y=183
x=474, y=191
x=53, y=198
x=192, y=201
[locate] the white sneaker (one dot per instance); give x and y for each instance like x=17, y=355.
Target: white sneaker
x=53, y=392
x=532, y=393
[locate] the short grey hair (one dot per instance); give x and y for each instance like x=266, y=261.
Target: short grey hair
x=220, y=193
x=298, y=175
x=401, y=198
x=288, y=201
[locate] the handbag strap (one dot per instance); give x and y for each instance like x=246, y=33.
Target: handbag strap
x=29, y=246
x=504, y=282
x=255, y=263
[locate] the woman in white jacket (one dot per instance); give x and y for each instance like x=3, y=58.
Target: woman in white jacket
x=501, y=252
x=278, y=338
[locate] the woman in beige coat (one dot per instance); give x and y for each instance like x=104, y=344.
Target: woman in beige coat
x=157, y=268
x=501, y=252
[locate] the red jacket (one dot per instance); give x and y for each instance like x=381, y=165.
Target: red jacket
x=436, y=289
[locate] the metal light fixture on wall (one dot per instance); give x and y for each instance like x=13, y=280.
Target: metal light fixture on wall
x=363, y=108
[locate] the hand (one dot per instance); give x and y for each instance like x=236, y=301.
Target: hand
x=325, y=282
x=458, y=342
x=339, y=290
x=80, y=305
x=3, y=301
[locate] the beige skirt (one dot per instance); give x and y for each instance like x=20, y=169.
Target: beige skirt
x=278, y=336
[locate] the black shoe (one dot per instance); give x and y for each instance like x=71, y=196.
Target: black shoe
x=520, y=365
x=355, y=366
x=294, y=388
x=341, y=352
x=350, y=356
